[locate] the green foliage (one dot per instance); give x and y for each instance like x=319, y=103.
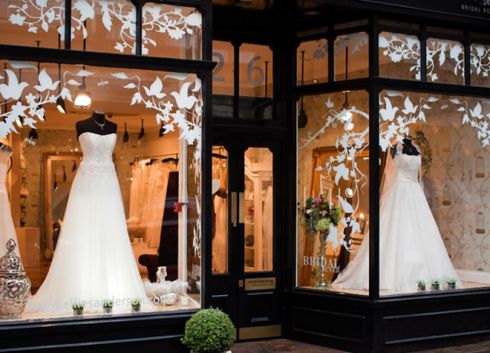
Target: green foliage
x=107, y=303
x=135, y=302
x=318, y=214
x=209, y=331
x=77, y=307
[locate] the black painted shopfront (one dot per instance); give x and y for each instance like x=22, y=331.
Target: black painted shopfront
x=259, y=106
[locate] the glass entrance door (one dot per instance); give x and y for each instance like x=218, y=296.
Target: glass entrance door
x=243, y=279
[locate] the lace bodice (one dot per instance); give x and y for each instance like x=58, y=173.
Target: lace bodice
x=407, y=167
x=4, y=166
x=97, y=153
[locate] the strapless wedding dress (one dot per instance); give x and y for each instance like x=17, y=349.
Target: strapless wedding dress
x=411, y=248
x=93, y=260
x=7, y=229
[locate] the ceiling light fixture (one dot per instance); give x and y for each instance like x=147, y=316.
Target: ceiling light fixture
x=126, y=133
x=60, y=102
x=142, y=130
x=346, y=114
x=40, y=113
x=162, y=130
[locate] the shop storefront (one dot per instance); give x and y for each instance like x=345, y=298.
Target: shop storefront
x=318, y=171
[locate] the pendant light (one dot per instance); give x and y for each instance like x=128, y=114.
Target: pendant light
x=60, y=102
x=39, y=115
x=302, y=117
x=126, y=133
x=142, y=130
x=83, y=98
x=345, y=114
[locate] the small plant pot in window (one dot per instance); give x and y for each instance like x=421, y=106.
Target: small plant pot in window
x=107, y=306
x=435, y=285
x=77, y=309
x=451, y=283
x=421, y=286
x=135, y=305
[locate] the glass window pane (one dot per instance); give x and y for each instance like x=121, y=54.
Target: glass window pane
x=312, y=62
x=105, y=25
x=399, y=56
x=23, y=22
x=333, y=193
x=480, y=65
x=258, y=208
x=107, y=213
x=172, y=31
x=351, y=56
x=256, y=86
x=220, y=210
x=223, y=79
x=433, y=213
x=445, y=61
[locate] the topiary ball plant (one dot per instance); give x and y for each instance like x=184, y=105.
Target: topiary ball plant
x=209, y=331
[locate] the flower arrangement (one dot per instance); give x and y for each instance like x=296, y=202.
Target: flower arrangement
x=421, y=285
x=318, y=214
x=435, y=284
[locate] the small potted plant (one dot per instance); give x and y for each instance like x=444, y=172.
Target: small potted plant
x=435, y=285
x=421, y=286
x=107, y=305
x=77, y=309
x=135, y=305
x=209, y=331
x=451, y=283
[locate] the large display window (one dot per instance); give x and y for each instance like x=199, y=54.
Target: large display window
x=104, y=198
x=432, y=221
x=333, y=188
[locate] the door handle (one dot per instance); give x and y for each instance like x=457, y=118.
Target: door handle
x=241, y=208
x=240, y=283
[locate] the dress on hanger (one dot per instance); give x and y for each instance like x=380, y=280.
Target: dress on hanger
x=411, y=248
x=7, y=229
x=93, y=260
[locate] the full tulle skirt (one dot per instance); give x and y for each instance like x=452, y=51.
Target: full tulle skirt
x=7, y=229
x=411, y=248
x=93, y=260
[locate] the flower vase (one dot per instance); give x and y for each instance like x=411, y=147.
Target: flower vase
x=322, y=280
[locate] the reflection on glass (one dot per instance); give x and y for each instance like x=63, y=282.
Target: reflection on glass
x=152, y=176
x=312, y=62
x=333, y=163
x=219, y=190
x=351, y=56
x=399, y=56
x=258, y=210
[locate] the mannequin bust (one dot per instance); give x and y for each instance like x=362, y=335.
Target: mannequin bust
x=408, y=148
x=96, y=124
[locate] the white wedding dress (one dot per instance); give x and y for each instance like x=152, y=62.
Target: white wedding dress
x=7, y=229
x=411, y=248
x=93, y=260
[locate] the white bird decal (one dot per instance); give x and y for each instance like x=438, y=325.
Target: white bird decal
x=14, y=89
x=45, y=82
x=184, y=101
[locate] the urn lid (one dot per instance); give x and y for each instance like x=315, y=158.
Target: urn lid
x=10, y=263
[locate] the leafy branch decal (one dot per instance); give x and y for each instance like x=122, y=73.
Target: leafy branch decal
x=480, y=59
x=344, y=164
x=399, y=48
x=475, y=118
x=37, y=14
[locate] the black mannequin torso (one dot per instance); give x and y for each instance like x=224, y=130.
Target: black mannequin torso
x=408, y=148
x=96, y=124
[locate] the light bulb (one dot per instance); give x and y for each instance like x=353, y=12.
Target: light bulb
x=346, y=115
x=349, y=126
x=83, y=99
